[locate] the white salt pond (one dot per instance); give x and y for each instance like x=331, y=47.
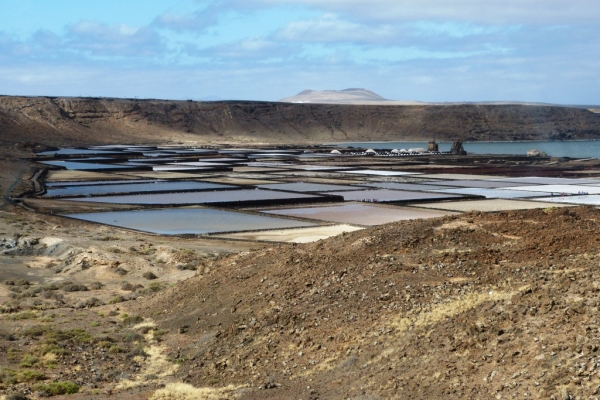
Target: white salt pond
x=298, y=235
x=188, y=198
x=419, y=187
x=589, y=200
x=493, y=193
x=559, y=189
x=539, y=180
x=86, y=183
x=360, y=214
x=492, y=205
x=88, y=190
x=385, y=195
x=474, y=183
x=379, y=172
x=307, y=187
x=179, y=221
x=84, y=166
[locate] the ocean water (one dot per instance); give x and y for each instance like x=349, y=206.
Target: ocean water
x=570, y=148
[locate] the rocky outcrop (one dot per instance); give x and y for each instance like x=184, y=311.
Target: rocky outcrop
x=100, y=120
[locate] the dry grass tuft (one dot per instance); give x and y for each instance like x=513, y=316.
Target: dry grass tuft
x=183, y=391
x=155, y=364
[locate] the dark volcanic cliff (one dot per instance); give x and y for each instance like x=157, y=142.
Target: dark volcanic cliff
x=91, y=120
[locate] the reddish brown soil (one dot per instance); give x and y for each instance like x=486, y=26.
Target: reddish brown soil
x=477, y=306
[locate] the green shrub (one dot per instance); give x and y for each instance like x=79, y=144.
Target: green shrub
x=10, y=377
x=138, y=351
x=36, y=330
x=16, y=396
x=155, y=286
x=132, y=319
x=109, y=238
x=149, y=275
x=28, y=375
x=131, y=336
x=51, y=348
x=58, y=388
x=28, y=360
x=157, y=334
x=116, y=349
x=75, y=288
x=24, y=315
x=116, y=299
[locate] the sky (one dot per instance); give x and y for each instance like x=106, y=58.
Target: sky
x=425, y=50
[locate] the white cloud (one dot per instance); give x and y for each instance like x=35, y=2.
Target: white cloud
x=196, y=21
x=113, y=40
x=480, y=11
x=250, y=50
x=330, y=28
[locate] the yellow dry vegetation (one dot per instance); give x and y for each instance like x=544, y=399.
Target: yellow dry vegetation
x=433, y=315
x=156, y=364
x=183, y=391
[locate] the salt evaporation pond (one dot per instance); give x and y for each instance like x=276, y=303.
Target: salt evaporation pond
x=134, y=188
x=379, y=172
x=307, y=187
x=86, y=183
x=560, y=189
x=360, y=214
x=491, y=193
x=402, y=186
x=475, y=183
x=588, y=200
x=223, y=196
x=541, y=180
x=83, y=166
x=71, y=151
x=384, y=195
x=189, y=221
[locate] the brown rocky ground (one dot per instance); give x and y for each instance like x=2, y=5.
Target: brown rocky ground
x=500, y=305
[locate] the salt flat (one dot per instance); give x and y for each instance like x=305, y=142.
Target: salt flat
x=297, y=235
x=490, y=205
x=558, y=189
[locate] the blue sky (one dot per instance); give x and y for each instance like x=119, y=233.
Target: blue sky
x=426, y=50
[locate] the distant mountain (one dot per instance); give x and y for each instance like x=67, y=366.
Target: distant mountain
x=346, y=96
x=367, y=97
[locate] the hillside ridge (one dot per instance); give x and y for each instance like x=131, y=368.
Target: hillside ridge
x=63, y=120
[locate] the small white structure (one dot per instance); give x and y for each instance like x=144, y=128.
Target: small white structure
x=417, y=150
x=395, y=151
x=403, y=151
x=370, y=151
x=335, y=152
x=536, y=153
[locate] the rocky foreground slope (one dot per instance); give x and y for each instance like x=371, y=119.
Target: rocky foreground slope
x=61, y=121
x=478, y=306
